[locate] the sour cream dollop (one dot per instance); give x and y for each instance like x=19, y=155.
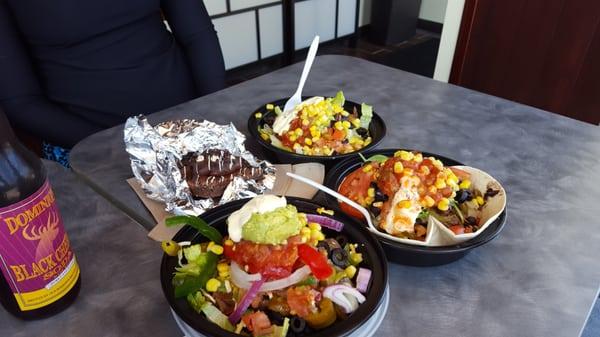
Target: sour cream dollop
x=284, y=120
x=259, y=204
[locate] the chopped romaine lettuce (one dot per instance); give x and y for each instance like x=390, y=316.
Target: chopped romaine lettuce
x=216, y=316
x=192, y=252
x=196, y=300
x=366, y=114
x=339, y=99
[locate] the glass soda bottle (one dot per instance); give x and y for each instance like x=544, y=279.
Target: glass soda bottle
x=39, y=275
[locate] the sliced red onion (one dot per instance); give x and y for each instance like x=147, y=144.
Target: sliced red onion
x=341, y=294
x=362, y=279
x=325, y=222
x=244, y=280
x=236, y=315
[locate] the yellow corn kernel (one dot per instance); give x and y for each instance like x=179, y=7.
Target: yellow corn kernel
x=315, y=138
x=368, y=141
x=479, y=200
x=350, y=271
x=337, y=108
x=318, y=236
x=408, y=171
x=404, y=204
x=307, y=141
x=438, y=164
x=432, y=189
x=314, y=226
x=439, y=183
x=371, y=192
x=326, y=149
x=306, y=149
x=315, y=133
x=398, y=167
x=212, y=285
x=359, y=141
x=305, y=122
x=215, y=248
x=228, y=242
x=428, y=201
x=404, y=155
x=264, y=136
x=305, y=231
x=258, y=115
x=425, y=170
x=367, y=168
x=443, y=204
x=346, y=124
x=293, y=138
x=345, y=113
x=465, y=184
x=355, y=122
x=223, y=267
x=312, y=128
x=298, y=132
x=418, y=157
x=338, y=125
x=269, y=106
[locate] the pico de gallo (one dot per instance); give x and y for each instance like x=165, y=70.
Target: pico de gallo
x=317, y=127
x=274, y=274
x=403, y=191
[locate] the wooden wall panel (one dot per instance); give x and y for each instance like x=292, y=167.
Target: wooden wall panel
x=539, y=52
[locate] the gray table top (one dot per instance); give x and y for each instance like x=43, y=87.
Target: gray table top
x=120, y=289
x=539, y=278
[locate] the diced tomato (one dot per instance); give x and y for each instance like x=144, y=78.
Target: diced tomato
x=355, y=187
x=338, y=134
x=462, y=175
x=258, y=323
x=272, y=261
x=301, y=300
x=457, y=229
x=316, y=261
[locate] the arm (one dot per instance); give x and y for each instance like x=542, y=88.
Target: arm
x=22, y=98
x=194, y=30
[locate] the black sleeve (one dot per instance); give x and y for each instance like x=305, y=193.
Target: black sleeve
x=194, y=30
x=22, y=98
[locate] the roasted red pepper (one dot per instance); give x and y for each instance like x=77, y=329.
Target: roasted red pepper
x=316, y=261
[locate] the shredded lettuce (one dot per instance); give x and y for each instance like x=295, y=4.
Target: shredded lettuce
x=339, y=99
x=191, y=277
x=196, y=300
x=192, y=253
x=366, y=114
x=277, y=143
x=216, y=316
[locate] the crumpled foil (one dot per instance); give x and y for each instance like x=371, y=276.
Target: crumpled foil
x=156, y=151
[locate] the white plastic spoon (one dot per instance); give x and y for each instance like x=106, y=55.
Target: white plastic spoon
x=335, y=194
x=297, y=97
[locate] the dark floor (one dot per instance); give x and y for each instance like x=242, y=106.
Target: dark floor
x=417, y=55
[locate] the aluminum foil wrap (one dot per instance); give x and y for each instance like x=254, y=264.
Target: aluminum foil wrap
x=155, y=153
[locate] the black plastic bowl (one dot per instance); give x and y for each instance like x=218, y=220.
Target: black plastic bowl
x=377, y=131
x=374, y=259
x=412, y=254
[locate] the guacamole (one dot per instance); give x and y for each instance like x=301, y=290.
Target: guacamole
x=273, y=227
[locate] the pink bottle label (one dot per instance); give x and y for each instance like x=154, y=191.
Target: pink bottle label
x=35, y=254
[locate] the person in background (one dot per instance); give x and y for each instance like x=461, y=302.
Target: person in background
x=70, y=68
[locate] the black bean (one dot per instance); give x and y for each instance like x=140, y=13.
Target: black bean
x=275, y=317
x=362, y=132
x=471, y=221
x=269, y=119
x=490, y=193
x=374, y=210
x=463, y=195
